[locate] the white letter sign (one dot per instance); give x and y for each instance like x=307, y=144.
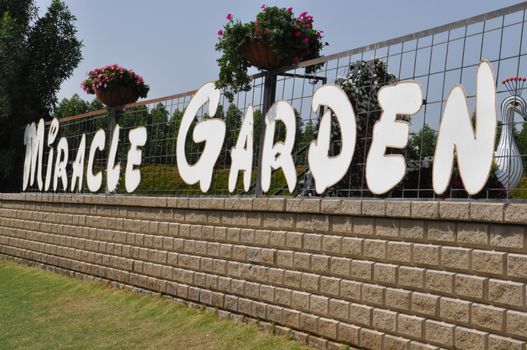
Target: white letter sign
x=474, y=150
x=384, y=172
x=211, y=131
x=326, y=170
x=278, y=155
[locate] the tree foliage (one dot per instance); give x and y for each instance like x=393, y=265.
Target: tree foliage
x=36, y=55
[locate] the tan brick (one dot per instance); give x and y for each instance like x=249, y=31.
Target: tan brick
x=439, y=333
x=318, y=304
x=331, y=244
x=441, y=231
x=517, y=265
x=399, y=251
x=470, y=339
x=410, y=325
x=486, y=211
x=294, y=240
x=387, y=227
x=342, y=224
x=395, y=343
x=307, y=205
x=384, y=320
x=507, y=236
x=350, y=290
x=330, y=206
x=360, y=314
x=502, y=343
x=421, y=346
x=373, y=294
x=412, y=229
x=455, y=310
x=517, y=323
x=373, y=207
x=284, y=258
x=516, y=213
x=397, y=299
x=291, y=318
x=411, y=277
x=469, y=286
x=310, y=282
x=506, y=292
x=352, y=246
x=348, y=333
x=426, y=254
x=363, y=226
x=385, y=273
x=455, y=258
x=313, y=242
x=283, y=296
x=398, y=208
x=454, y=210
x=339, y=309
x=327, y=328
x=425, y=210
x=292, y=279
x=329, y=285
x=375, y=248
x=370, y=339
x=300, y=300
x=488, y=316
x=440, y=281
x=351, y=207
x=308, y=323
x=424, y=303
x=361, y=269
x=340, y=266
x=320, y=263
x=490, y=262
x=301, y=261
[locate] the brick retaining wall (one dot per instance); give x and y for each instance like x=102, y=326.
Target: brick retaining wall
x=375, y=274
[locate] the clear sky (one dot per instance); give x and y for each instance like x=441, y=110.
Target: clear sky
x=171, y=43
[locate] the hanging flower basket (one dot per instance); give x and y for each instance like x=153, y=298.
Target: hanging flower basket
x=114, y=85
x=117, y=96
x=242, y=45
x=260, y=55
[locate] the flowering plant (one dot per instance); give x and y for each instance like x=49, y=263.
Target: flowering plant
x=112, y=76
x=292, y=39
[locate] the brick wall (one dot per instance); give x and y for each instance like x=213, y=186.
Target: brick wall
x=374, y=274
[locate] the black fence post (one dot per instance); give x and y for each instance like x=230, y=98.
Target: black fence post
x=268, y=100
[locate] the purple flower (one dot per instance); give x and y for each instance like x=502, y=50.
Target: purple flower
x=290, y=10
x=229, y=17
x=220, y=32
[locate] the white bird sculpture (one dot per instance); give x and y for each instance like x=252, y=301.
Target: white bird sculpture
x=507, y=156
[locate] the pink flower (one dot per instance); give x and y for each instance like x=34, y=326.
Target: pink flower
x=297, y=33
x=263, y=7
x=220, y=32
x=257, y=22
x=229, y=17
x=290, y=10
x=305, y=41
x=266, y=32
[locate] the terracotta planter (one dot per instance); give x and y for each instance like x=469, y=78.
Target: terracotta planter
x=117, y=96
x=261, y=56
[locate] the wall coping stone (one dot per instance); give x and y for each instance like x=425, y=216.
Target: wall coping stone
x=455, y=210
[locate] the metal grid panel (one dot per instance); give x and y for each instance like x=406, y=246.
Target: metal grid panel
x=437, y=58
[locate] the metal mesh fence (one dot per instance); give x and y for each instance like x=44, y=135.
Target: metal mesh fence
x=437, y=58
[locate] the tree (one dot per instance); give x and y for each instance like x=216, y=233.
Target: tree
x=36, y=55
x=75, y=105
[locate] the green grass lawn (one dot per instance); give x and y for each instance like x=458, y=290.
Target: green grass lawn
x=42, y=310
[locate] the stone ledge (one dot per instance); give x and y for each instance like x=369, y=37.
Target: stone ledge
x=480, y=211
